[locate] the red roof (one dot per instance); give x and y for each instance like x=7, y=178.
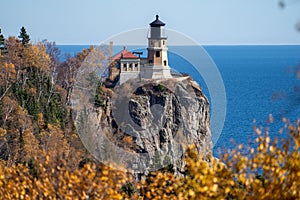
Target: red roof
x=124, y=54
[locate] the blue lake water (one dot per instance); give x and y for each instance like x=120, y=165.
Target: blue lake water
x=258, y=81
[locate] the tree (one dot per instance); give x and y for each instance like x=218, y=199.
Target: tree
x=7, y=78
x=14, y=51
x=24, y=36
x=67, y=71
x=36, y=56
x=54, y=53
x=2, y=42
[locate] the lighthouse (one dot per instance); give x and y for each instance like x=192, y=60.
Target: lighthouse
x=157, y=66
x=154, y=66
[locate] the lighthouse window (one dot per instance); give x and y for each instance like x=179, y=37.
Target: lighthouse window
x=165, y=63
x=157, y=54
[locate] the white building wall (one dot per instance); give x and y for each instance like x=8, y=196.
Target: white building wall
x=164, y=56
x=127, y=72
x=155, y=72
x=125, y=76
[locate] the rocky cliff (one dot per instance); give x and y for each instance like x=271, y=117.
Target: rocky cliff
x=147, y=125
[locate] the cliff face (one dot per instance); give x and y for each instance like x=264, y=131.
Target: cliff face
x=147, y=126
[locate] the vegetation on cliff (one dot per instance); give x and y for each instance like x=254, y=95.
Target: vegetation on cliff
x=42, y=157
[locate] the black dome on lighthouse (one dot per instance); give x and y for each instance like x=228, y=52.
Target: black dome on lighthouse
x=157, y=22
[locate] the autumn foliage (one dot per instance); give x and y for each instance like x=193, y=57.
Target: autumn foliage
x=54, y=179
x=41, y=156
x=271, y=171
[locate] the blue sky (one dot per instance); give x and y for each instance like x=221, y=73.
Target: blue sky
x=206, y=21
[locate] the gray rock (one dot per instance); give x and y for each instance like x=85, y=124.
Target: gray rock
x=162, y=118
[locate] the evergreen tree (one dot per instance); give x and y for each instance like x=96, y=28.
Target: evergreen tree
x=24, y=36
x=2, y=42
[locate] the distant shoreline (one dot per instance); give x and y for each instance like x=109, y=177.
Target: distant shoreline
x=192, y=45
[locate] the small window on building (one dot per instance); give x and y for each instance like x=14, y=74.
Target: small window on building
x=136, y=66
x=130, y=67
x=163, y=42
x=157, y=53
x=165, y=63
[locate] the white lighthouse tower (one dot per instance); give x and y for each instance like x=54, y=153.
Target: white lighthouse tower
x=157, y=66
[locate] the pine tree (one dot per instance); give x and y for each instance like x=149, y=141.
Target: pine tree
x=2, y=42
x=24, y=36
